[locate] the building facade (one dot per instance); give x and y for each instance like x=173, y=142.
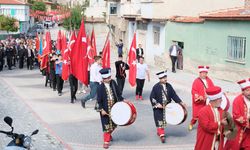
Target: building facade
x=219, y=39
x=18, y=10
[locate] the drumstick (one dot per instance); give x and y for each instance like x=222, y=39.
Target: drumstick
x=197, y=99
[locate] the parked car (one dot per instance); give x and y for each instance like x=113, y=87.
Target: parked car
x=48, y=24
x=36, y=29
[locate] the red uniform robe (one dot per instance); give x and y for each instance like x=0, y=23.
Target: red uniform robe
x=208, y=129
x=199, y=89
x=242, y=140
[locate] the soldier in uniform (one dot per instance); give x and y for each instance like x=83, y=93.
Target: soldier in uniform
x=108, y=94
x=162, y=94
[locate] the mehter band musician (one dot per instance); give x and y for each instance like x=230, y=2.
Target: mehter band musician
x=108, y=94
x=162, y=94
x=241, y=116
x=199, y=97
x=210, y=132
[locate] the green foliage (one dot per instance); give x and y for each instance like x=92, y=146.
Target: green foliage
x=31, y=1
x=54, y=6
x=74, y=21
x=39, y=6
x=8, y=24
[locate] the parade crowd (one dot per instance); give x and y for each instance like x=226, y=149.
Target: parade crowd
x=15, y=52
x=217, y=128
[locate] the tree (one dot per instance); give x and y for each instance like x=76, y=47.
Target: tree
x=54, y=6
x=74, y=21
x=38, y=5
x=8, y=24
x=31, y=1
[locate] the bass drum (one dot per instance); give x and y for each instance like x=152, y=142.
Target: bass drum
x=175, y=113
x=225, y=103
x=123, y=113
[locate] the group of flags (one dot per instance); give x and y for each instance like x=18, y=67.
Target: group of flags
x=78, y=54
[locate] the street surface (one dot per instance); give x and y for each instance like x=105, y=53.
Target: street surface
x=64, y=125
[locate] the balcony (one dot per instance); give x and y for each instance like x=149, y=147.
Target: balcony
x=151, y=9
x=130, y=10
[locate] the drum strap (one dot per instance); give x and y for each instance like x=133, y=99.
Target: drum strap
x=203, y=83
x=165, y=93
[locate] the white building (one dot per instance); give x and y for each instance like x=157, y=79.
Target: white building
x=149, y=19
x=96, y=9
x=18, y=10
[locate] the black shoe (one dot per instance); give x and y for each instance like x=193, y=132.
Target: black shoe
x=72, y=101
x=83, y=103
x=54, y=89
x=59, y=94
x=174, y=71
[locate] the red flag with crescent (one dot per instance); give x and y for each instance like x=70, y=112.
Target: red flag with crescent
x=66, y=57
x=132, y=62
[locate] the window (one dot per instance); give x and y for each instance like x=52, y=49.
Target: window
x=156, y=32
x=141, y=26
x=113, y=9
x=236, y=48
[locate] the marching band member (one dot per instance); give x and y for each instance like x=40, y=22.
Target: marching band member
x=210, y=122
x=162, y=94
x=121, y=67
x=241, y=116
x=107, y=95
x=199, y=87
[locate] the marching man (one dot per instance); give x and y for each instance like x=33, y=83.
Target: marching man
x=199, y=97
x=210, y=122
x=241, y=116
x=107, y=95
x=162, y=94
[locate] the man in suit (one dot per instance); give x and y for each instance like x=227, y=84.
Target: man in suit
x=107, y=95
x=21, y=55
x=139, y=52
x=30, y=56
x=174, y=50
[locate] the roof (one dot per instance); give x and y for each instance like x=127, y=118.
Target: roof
x=186, y=19
x=12, y=2
x=48, y=2
x=238, y=13
x=95, y=20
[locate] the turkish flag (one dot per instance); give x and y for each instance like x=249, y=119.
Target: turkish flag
x=66, y=57
x=106, y=53
x=79, y=60
x=93, y=42
x=63, y=43
x=59, y=41
x=37, y=43
x=90, y=52
x=132, y=62
x=46, y=51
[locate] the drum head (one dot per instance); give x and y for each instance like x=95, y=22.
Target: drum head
x=224, y=102
x=174, y=114
x=121, y=113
